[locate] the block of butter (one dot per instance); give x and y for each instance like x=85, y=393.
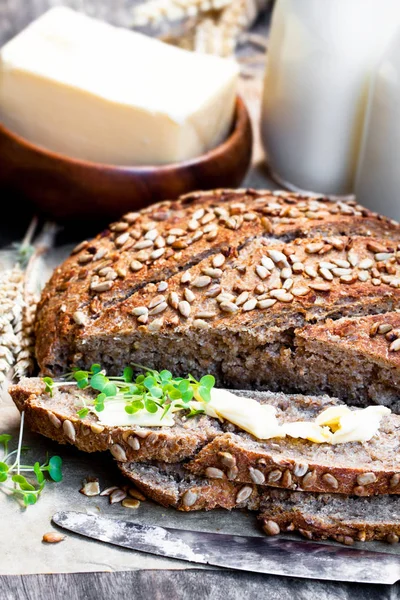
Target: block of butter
x=89, y=90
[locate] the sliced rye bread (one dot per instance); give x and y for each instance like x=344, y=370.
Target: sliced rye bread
x=358, y=468
x=321, y=516
x=197, y=284
x=316, y=516
x=56, y=417
x=363, y=469
x=172, y=485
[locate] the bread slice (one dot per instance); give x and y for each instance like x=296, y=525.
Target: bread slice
x=56, y=417
x=316, y=516
x=365, y=347
x=219, y=450
x=197, y=284
x=321, y=516
x=362, y=469
x=172, y=485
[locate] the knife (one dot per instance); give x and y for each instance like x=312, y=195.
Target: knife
x=271, y=555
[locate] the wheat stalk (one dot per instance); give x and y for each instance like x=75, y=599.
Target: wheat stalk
x=211, y=26
x=18, y=305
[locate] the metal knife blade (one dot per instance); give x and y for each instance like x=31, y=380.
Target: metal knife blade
x=274, y=556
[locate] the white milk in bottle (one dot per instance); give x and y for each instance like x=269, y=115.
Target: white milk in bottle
x=320, y=59
x=378, y=175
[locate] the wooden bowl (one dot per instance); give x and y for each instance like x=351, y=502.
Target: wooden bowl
x=64, y=188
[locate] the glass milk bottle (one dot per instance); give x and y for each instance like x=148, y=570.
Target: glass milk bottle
x=321, y=55
x=378, y=174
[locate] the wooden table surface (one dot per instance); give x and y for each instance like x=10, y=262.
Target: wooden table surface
x=215, y=585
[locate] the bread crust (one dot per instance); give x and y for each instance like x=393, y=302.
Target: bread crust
x=326, y=516
x=123, y=268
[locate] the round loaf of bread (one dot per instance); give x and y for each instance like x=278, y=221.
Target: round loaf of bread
x=221, y=282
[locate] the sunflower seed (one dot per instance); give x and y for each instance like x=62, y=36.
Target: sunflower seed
x=366, y=478
x=173, y=300
x=135, y=265
x=394, y=480
x=54, y=420
x=131, y=217
x=184, y=308
x=353, y=258
x=214, y=473
x=118, y=452
x=218, y=260
x=278, y=257
x=186, y=277
x=309, y=480
x=140, y=310
x=90, y=488
x=193, y=225
x=201, y=281
x=152, y=234
x=250, y=304
x=314, y=247
x=320, y=287
x=384, y=328
x=366, y=263
x=310, y=271
x=267, y=303
x=157, y=253
x=271, y=528
x=109, y=490
x=79, y=317
x=242, y=298
x=225, y=297
x=162, y=286
x=326, y=274
x=130, y=503
x=213, y=273
x=69, y=430
x=330, y=481
x=383, y=256
x=256, y=476
x=189, y=498
x=300, y=469
x=189, y=296
x=274, y=476
x=156, y=300
x=117, y=496
x=227, y=459
x=395, y=346
x=243, y=494
x=133, y=442
x=206, y=315
x=286, y=273
x=158, y=309
x=103, y=286
x=53, y=537
x=300, y=291
x=287, y=284
x=281, y=295
x=213, y=291
x=134, y=493
x=121, y=239
x=80, y=247
x=229, y=307
x=155, y=325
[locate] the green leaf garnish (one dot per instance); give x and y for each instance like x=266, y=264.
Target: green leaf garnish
x=150, y=390
x=49, y=383
x=15, y=478
x=83, y=412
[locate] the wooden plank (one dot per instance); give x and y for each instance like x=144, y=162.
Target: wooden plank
x=184, y=585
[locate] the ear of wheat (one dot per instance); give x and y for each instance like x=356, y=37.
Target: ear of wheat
x=209, y=26
x=18, y=305
x=11, y=306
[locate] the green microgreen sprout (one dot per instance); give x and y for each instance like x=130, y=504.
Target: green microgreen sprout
x=25, y=488
x=150, y=390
